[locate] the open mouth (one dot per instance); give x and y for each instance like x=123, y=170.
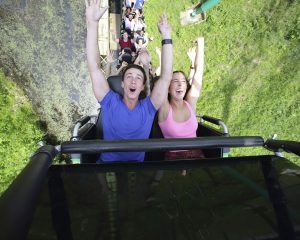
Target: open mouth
x=132, y=90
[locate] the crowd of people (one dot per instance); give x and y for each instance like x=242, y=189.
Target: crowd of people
x=173, y=95
x=134, y=39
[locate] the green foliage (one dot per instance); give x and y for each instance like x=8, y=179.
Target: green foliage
x=252, y=60
x=19, y=131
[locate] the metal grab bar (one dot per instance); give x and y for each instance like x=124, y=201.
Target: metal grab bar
x=18, y=202
x=78, y=124
x=148, y=145
x=281, y=145
x=215, y=121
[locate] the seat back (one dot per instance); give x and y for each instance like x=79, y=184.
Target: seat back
x=115, y=84
x=155, y=133
x=207, y=131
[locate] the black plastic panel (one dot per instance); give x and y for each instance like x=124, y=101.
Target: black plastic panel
x=216, y=199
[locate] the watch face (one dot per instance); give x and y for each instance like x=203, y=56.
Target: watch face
x=166, y=41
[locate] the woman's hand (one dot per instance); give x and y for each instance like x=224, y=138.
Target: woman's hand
x=164, y=27
x=192, y=54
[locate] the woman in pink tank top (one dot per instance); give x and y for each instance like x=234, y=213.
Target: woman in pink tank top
x=176, y=117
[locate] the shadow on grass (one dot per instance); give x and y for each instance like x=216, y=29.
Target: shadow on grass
x=228, y=90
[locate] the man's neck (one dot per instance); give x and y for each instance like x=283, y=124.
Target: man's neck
x=130, y=103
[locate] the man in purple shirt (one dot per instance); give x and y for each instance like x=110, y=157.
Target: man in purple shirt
x=126, y=117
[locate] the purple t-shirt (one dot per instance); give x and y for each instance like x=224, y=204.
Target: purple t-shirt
x=119, y=122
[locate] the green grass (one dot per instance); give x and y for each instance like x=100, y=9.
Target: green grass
x=252, y=59
x=19, y=131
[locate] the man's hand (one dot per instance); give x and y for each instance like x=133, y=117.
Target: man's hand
x=164, y=27
x=93, y=12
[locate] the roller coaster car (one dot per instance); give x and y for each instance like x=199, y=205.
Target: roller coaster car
x=90, y=128
x=220, y=197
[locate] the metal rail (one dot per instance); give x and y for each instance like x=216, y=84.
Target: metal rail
x=18, y=202
x=149, y=145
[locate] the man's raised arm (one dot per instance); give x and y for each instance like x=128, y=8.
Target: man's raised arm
x=93, y=15
x=159, y=93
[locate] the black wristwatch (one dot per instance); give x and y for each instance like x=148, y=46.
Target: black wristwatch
x=166, y=41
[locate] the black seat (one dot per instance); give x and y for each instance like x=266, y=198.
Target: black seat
x=155, y=133
x=114, y=83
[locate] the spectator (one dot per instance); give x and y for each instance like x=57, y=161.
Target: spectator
x=139, y=44
x=139, y=4
x=125, y=41
x=126, y=12
x=139, y=24
x=141, y=14
x=129, y=22
x=130, y=3
x=126, y=56
x=143, y=35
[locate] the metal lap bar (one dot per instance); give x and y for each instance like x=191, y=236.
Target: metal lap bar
x=215, y=121
x=278, y=200
x=18, y=202
x=78, y=124
x=149, y=145
x=287, y=146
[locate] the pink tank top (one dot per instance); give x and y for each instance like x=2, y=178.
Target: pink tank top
x=173, y=129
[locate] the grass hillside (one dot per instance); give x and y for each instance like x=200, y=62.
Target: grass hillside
x=19, y=131
x=252, y=61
